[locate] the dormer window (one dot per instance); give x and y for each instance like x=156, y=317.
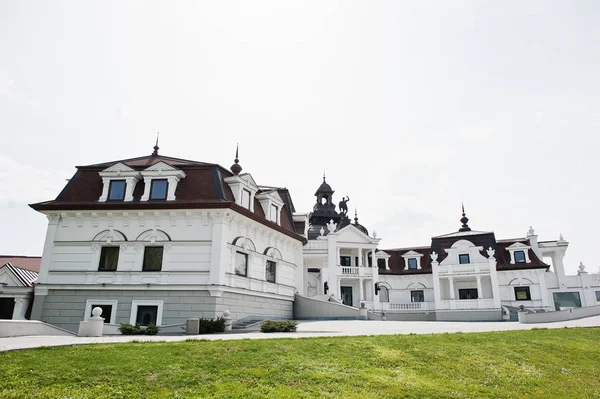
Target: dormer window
x=116, y=191
x=520, y=257
x=246, y=198
x=274, y=213
x=464, y=259
x=159, y=189
x=412, y=263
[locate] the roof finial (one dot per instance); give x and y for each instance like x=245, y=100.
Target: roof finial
x=323, y=175
x=355, y=216
x=155, y=153
x=464, y=220
x=236, y=168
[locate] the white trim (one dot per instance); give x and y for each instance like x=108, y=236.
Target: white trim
x=517, y=246
x=88, y=308
x=136, y=303
x=412, y=255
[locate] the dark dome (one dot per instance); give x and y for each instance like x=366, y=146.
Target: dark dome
x=361, y=228
x=325, y=188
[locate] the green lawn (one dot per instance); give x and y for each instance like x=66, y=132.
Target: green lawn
x=516, y=364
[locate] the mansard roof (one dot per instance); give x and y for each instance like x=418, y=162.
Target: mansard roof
x=203, y=187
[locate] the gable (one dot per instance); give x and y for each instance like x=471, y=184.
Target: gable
x=118, y=167
x=160, y=167
x=352, y=234
x=8, y=278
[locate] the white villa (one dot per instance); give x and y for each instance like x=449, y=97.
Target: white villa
x=157, y=239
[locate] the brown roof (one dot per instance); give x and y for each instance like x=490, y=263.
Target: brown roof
x=24, y=262
x=202, y=188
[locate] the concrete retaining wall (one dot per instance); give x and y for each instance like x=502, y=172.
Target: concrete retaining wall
x=21, y=328
x=561, y=315
x=313, y=309
x=469, y=315
x=66, y=308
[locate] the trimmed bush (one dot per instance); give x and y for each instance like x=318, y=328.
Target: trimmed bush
x=209, y=326
x=128, y=329
x=268, y=326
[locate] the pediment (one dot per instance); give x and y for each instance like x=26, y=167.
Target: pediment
x=517, y=246
x=8, y=279
x=412, y=254
x=160, y=167
x=352, y=234
x=247, y=177
x=118, y=168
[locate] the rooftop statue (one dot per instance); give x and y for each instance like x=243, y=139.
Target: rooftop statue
x=344, y=206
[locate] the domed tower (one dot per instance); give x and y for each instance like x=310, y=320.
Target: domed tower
x=323, y=211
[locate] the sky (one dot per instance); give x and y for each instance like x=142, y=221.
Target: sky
x=411, y=108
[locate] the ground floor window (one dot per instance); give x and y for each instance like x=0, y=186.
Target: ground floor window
x=106, y=311
x=565, y=300
x=522, y=294
x=597, y=296
x=146, y=312
x=346, y=295
x=109, y=309
x=270, y=271
x=384, y=294
x=417, y=296
x=7, y=307
x=467, y=293
x=241, y=264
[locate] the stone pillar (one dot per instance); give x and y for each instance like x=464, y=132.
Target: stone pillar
x=543, y=287
x=479, y=288
x=192, y=326
x=437, y=289
x=559, y=268
x=219, y=263
x=494, y=281
x=451, y=284
x=20, y=308
x=39, y=298
x=360, y=257
x=93, y=326
x=228, y=320
x=333, y=261
x=361, y=289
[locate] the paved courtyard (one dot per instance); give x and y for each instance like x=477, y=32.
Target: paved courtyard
x=308, y=329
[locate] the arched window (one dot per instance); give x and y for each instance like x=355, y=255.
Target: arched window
x=384, y=294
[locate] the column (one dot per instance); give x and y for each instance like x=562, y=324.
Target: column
x=218, y=254
x=40, y=294
x=437, y=289
x=451, y=283
x=479, y=288
x=20, y=308
x=494, y=281
x=360, y=258
x=333, y=260
x=361, y=289
x=543, y=287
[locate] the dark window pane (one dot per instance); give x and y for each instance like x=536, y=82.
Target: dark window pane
x=467, y=293
x=106, y=312
x=109, y=257
x=597, y=296
x=271, y=270
x=314, y=270
x=152, y=259
x=417, y=296
x=463, y=259
x=146, y=315
x=519, y=257
x=345, y=260
x=412, y=263
x=565, y=300
x=158, y=189
x=522, y=294
x=241, y=264
x=116, y=190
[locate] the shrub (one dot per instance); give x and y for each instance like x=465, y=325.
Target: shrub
x=278, y=326
x=128, y=329
x=209, y=326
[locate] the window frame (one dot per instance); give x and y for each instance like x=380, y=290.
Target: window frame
x=136, y=303
x=151, y=196
x=597, y=296
x=110, y=189
x=244, y=190
x=525, y=289
x=387, y=291
x=416, y=264
x=349, y=260
x=273, y=217
x=102, y=249
x=90, y=302
x=162, y=258
x=470, y=290
x=524, y=260
x=412, y=296
x=274, y=265
x=460, y=258
x=235, y=271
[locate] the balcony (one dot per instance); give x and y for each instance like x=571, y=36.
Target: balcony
x=408, y=306
x=355, y=271
x=471, y=268
x=467, y=304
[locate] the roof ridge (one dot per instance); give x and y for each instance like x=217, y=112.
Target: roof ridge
x=159, y=157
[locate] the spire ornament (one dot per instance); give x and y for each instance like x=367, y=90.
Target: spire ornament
x=156, y=147
x=236, y=168
x=464, y=220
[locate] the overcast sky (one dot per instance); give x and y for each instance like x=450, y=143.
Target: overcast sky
x=409, y=107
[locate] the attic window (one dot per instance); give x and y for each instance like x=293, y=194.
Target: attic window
x=246, y=198
x=464, y=259
x=116, y=191
x=520, y=257
x=274, y=212
x=412, y=263
x=158, y=191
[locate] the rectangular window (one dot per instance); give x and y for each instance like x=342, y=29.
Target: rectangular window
x=246, y=198
x=109, y=258
x=270, y=272
x=519, y=257
x=597, y=296
x=417, y=296
x=241, y=264
x=412, y=263
x=116, y=190
x=467, y=293
x=522, y=294
x=146, y=314
x=314, y=270
x=274, y=211
x=566, y=300
x=153, y=257
x=345, y=260
x=464, y=259
x=106, y=311
x=158, y=189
